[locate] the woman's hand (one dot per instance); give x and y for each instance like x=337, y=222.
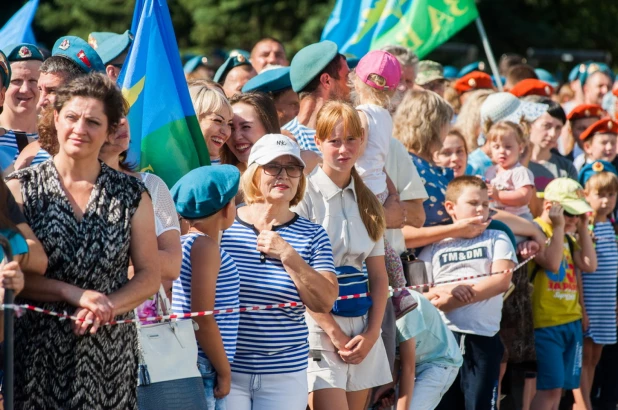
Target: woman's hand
x=463, y=293
x=95, y=302
x=358, y=348
x=224, y=385
x=12, y=277
x=80, y=327
x=528, y=249
x=470, y=227
x=394, y=212
x=340, y=340
x=273, y=245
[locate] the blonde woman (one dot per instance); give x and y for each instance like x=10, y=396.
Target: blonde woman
x=214, y=114
x=352, y=356
x=469, y=118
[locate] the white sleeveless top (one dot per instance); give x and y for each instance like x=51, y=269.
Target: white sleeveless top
x=164, y=209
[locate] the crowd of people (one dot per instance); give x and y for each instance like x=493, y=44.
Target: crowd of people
x=329, y=176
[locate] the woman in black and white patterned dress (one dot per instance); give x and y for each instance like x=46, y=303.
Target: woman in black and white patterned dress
x=91, y=220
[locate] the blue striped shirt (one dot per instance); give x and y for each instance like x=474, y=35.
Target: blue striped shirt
x=41, y=156
x=600, y=287
x=304, y=135
x=226, y=294
x=8, y=146
x=276, y=340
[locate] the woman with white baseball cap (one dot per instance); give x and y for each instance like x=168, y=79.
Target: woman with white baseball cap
x=501, y=107
x=281, y=258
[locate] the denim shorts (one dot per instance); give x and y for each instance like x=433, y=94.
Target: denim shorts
x=209, y=378
x=559, y=356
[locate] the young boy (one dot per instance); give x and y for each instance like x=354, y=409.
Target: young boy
x=471, y=310
x=599, y=141
x=208, y=277
x=556, y=308
x=578, y=120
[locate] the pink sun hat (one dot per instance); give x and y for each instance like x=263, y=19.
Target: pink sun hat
x=383, y=64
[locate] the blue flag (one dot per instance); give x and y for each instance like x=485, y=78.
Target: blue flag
x=358, y=26
x=165, y=135
x=19, y=28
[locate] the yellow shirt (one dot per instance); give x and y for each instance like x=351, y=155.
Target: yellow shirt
x=555, y=299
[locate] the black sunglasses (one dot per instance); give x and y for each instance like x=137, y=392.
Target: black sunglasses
x=274, y=170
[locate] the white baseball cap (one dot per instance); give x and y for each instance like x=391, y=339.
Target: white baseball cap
x=507, y=107
x=273, y=146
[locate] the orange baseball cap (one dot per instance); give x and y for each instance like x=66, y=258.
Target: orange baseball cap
x=585, y=111
x=476, y=80
x=603, y=126
x=532, y=86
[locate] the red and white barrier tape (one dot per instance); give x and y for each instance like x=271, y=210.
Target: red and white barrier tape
x=180, y=316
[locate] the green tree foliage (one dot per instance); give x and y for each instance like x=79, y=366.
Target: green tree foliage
x=207, y=25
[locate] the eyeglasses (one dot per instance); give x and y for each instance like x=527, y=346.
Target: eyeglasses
x=274, y=170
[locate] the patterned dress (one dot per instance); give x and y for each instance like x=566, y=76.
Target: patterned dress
x=54, y=369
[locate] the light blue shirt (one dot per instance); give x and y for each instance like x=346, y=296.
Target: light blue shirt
x=479, y=161
x=435, y=343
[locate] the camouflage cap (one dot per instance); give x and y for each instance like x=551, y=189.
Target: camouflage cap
x=429, y=71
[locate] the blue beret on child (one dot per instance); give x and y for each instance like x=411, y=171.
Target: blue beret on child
x=205, y=191
x=593, y=168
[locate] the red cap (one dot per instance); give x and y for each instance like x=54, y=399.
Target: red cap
x=476, y=80
x=604, y=126
x=532, y=86
x=615, y=92
x=585, y=111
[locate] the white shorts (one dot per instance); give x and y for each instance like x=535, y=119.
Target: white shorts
x=331, y=372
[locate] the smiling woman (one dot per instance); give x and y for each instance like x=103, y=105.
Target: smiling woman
x=91, y=220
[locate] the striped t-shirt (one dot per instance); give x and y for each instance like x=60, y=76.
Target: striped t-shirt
x=600, y=287
x=41, y=156
x=304, y=135
x=276, y=340
x=9, y=148
x=226, y=294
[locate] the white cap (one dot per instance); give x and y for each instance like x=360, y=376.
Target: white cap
x=507, y=107
x=273, y=146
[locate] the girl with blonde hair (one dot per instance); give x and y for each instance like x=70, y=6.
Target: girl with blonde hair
x=347, y=340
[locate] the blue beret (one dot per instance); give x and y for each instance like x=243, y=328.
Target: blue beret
x=79, y=52
x=110, y=45
x=546, y=76
x=592, y=68
x=273, y=80
x=594, y=168
x=231, y=62
x=5, y=70
x=193, y=63
x=310, y=61
x=23, y=52
x=239, y=52
x=205, y=190
x=476, y=66
x=450, y=72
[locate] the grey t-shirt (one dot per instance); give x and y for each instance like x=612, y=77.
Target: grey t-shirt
x=456, y=258
x=556, y=167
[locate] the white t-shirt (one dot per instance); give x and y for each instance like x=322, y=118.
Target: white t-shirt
x=166, y=217
x=510, y=180
x=402, y=171
x=370, y=165
x=456, y=258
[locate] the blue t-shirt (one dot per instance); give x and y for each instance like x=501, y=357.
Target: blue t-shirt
x=226, y=294
x=17, y=242
x=273, y=341
x=435, y=179
x=9, y=148
x=435, y=343
x=479, y=161
x=304, y=135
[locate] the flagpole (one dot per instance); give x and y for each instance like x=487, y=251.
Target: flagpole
x=489, y=53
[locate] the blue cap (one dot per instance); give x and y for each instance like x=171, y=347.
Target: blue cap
x=5, y=70
x=193, y=63
x=546, y=76
x=79, y=52
x=270, y=80
x=311, y=61
x=230, y=63
x=239, y=52
x=23, y=52
x=476, y=66
x=110, y=45
x=592, y=68
x=205, y=191
x=594, y=168
x=450, y=72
